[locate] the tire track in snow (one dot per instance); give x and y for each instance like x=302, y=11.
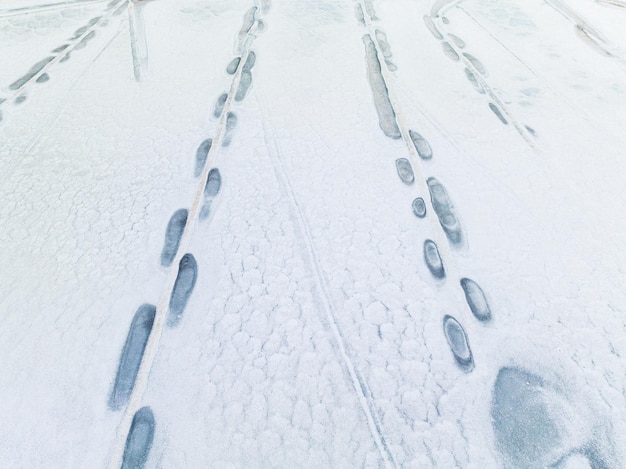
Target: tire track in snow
x=358, y=383
x=126, y=425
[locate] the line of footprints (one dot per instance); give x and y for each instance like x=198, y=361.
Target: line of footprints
x=141, y=433
x=38, y=73
x=444, y=209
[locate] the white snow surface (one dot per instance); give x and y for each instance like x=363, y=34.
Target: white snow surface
x=314, y=336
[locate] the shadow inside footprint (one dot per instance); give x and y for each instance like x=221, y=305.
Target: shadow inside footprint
x=476, y=299
x=433, y=259
x=445, y=211
x=419, y=207
x=405, y=171
x=459, y=345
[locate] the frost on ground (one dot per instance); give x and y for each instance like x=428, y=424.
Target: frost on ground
x=347, y=233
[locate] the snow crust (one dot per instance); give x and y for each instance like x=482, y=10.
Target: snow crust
x=260, y=182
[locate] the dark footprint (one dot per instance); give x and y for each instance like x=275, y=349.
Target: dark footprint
x=419, y=207
x=474, y=81
x=139, y=440
x=526, y=435
x=173, y=234
x=384, y=108
x=524, y=432
x=477, y=64
x=132, y=353
x=20, y=99
x=219, y=105
x=213, y=183
x=212, y=188
x=433, y=259
x=405, y=171
x=421, y=145
x=445, y=211
x=83, y=42
x=476, y=299
x=244, y=85
x=459, y=345
x=231, y=123
x=201, y=155
x=80, y=31
x=60, y=48
x=250, y=61
x=66, y=57
x=498, y=113
x=44, y=77
x=246, y=77
x=232, y=66
x=449, y=51
x=183, y=287
x=34, y=70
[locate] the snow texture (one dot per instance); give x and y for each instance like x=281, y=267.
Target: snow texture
x=362, y=233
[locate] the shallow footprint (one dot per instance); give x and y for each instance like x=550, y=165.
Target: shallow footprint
x=233, y=65
x=476, y=299
x=498, y=113
x=421, y=145
x=459, y=345
x=445, y=211
x=419, y=207
x=173, y=234
x=449, y=51
x=405, y=171
x=219, y=105
x=231, y=123
x=525, y=433
x=433, y=259
x=213, y=183
x=201, y=155
x=183, y=287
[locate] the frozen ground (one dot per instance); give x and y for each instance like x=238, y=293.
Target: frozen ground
x=347, y=233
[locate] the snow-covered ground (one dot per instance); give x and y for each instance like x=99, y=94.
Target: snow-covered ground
x=212, y=262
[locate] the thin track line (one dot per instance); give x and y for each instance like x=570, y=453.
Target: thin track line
x=358, y=383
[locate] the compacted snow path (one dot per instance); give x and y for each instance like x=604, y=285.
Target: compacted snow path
x=348, y=233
